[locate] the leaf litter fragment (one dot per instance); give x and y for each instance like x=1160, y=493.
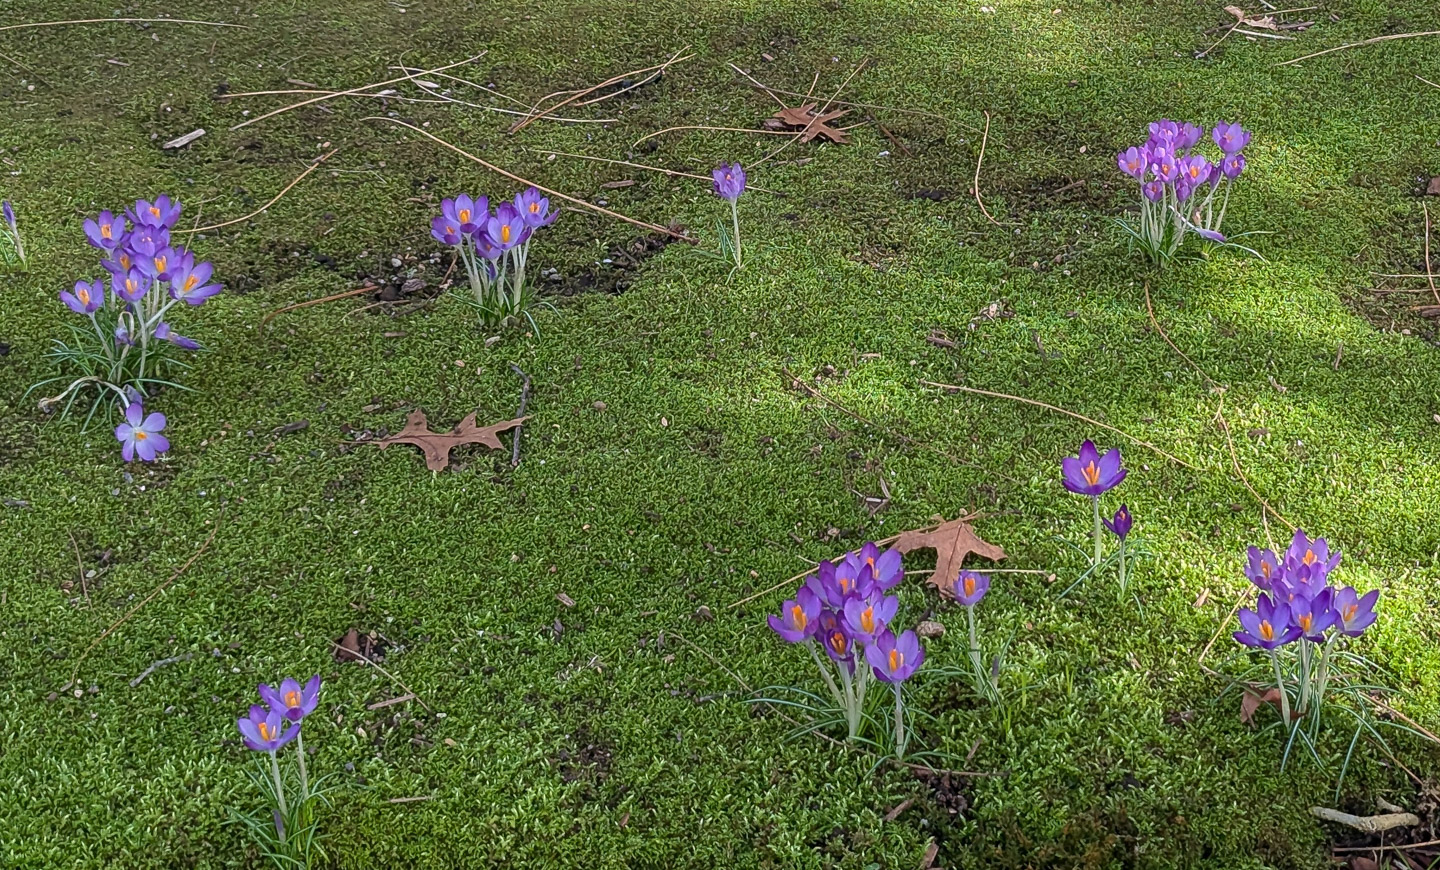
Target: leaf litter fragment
x=809, y=123
x=437, y=445
x=952, y=542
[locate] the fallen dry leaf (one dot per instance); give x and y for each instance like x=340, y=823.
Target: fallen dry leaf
x=1250, y=704
x=809, y=123
x=952, y=542
x=357, y=647
x=1360, y=862
x=1434, y=188
x=437, y=445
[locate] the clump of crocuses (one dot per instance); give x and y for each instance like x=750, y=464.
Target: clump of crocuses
x=1299, y=620
x=1180, y=187
x=845, y=610
x=12, y=247
x=288, y=835
x=495, y=248
x=124, y=347
x=729, y=183
x=1093, y=475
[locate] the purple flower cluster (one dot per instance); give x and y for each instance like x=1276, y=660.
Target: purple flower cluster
x=844, y=606
x=494, y=247
x=1297, y=600
x=268, y=728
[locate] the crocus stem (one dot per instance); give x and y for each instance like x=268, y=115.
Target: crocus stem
x=900, y=735
x=279, y=790
x=1280, y=687
x=300, y=756
x=977, y=662
x=852, y=723
x=735, y=219
x=825, y=674
x=1095, y=500
x=1122, y=569
x=1304, y=677
x=1323, y=680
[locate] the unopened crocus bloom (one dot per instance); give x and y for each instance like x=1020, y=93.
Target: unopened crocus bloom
x=729, y=181
x=507, y=228
x=1195, y=169
x=1356, y=612
x=190, y=283
x=86, y=299
x=468, y=214
x=535, y=208
x=160, y=213
x=1090, y=473
x=970, y=587
x=266, y=730
x=486, y=247
x=1263, y=567
x=799, y=617
x=866, y=617
x=293, y=700
x=1268, y=626
x=1183, y=189
x=1232, y=166
x=1188, y=136
x=445, y=230
x=122, y=335
x=165, y=333
x=1232, y=138
x=130, y=286
x=1153, y=190
x=1121, y=524
x=1210, y=235
x=106, y=231
x=140, y=434
x=8, y=211
x=1134, y=162
x=895, y=659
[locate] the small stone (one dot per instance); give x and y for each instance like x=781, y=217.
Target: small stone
x=930, y=629
x=703, y=614
x=599, y=406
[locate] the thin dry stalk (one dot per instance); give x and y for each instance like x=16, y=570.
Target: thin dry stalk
x=1150, y=309
x=536, y=113
x=261, y=210
x=670, y=172
x=718, y=130
x=803, y=574
x=118, y=21
x=1235, y=463
x=1370, y=41
x=391, y=677
x=984, y=138
x=331, y=96
x=513, y=177
x=307, y=303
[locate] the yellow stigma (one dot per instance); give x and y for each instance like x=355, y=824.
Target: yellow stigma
x=140, y=435
x=505, y=234
x=124, y=261
x=104, y=231
x=867, y=620
x=84, y=296
x=1265, y=570
x=838, y=643
x=292, y=699
x=154, y=211
x=1092, y=474
x=897, y=661
x=1305, y=622
x=844, y=585
x=190, y=283
x=160, y=264
x=534, y=208
x=797, y=619
x=1267, y=631
x=130, y=285
x=969, y=586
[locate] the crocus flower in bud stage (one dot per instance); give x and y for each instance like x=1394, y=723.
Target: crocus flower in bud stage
x=140, y=434
x=799, y=618
x=1232, y=166
x=822, y=583
x=1183, y=189
x=122, y=336
x=970, y=587
x=866, y=617
x=86, y=299
x=1195, y=169
x=293, y=701
x=895, y=659
x=1263, y=567
x=1355, y=612
x=8, y=212
x=1267, y=626
x=445, y=231
x=165, y=333
x=265, y=730
x=466, y=214
x=130, y=286
x=507, y=228
x=160, y=213
x=1090, y=473
x=535, y=208
x=729, y=181
x=1231, y=138
x=486, y=247
x=1122, y=523
x=1165, y=164
x=1314, y=616
x=1209, y=235
x=1188, y=136
x=1134, y=162
x=835, y=637
x=1153, y=190
x=106, y=231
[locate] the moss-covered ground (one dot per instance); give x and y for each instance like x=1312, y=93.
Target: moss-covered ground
x=671, y=468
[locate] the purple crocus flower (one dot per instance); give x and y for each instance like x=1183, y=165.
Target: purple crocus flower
x=1183, y=189
x=1153, y=190
x=1355, y=612
x=874, y=568
x=729, y=181
x=160, y=265
x=1121, y=524
x=866, y=617
x=970, y=587
x=1210, y=235
x=8, y=212
x=1164, y=130
x=266, y=730
x=799, y=617
x=130, y=286
x=160, y=213
x=140, y=434
x=1164, y=164
x=145, y=242
x=465, y=213
x=507, y=228
x=893, y=658
x=122, y=335
x=486, y=247
x=1134, y=162
x=1263, y=567
x=1188, y=136
x=1267, y=626
x=107, y=230
x=165, y=333
x=294, y=701
x=835, y=637
x=1090, y=473
x=86, y=299
x=445, y=231
x=1314, y=554
x=823, y=584
x=1231, y=138
x=535, y=208
x=1314, y=616
x=1195, y=169
x=190, y=283
x=1232, y=166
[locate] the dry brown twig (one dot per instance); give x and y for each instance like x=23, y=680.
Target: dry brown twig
x=118, y=21
x=536, y=113
x=1235, y=463
x=1370, y=41
x=663, y=171
x=391, y=677
x=984, y=139
x=513, y=177
x=261, y=210
x=308, y=302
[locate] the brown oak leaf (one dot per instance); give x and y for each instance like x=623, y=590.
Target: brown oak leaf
x=1252, y=700
x=809, y=123
x=952, y=542
x=437, y=445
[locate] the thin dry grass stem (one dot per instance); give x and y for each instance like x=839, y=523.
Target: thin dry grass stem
x=1059, y=410
x=308, y=302
x=446, y=98
x=715, y=129
x=756, y=83
x=823, y=109
x=1219, y=630
x=455, y=78
x=803, y=574
x=1427, y=81
x=854, y=105
x=671, y=172
x=118, y=21
x=513, y=177
x=1235, y=464
x=536, y=113
x=331, y=96
x=440, y=100
x=261, y=210
x=1150, y=309
x=391, y=677
x=979, y=161
x=1370, y=41
x=75, y=673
